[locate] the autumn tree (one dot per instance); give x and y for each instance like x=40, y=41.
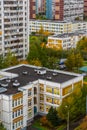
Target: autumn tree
x=35, y=62
x=41, y=31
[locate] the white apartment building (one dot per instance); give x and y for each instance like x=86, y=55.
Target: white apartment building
x=26, y=91
x=73, y=9
x=65, y=41
x=57, y=27
x=14, y=27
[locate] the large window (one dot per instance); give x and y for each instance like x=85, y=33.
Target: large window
x=17, y=102
x=29, y=113
x=41, y=107
x=29, y=92
x=48, y=89
x=56, y=101
x=41, y=97
x=56, y=91
x=41, y=87
x=17, y=124
x=67, y=90
x=47, y=108
x=17, y=113
x=29, y=102
x=48, y=99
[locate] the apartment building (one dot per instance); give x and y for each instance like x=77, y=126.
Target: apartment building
x=85, y=8
x=65, y=41
x=40, y=7
x=26, y=91
x=57, y=27
x=14, y=27
x=32, y=9
x=64, y=9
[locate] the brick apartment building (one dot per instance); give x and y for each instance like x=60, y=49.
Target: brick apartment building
x=32, y=9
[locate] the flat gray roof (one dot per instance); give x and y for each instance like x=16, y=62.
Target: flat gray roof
x=27, y=74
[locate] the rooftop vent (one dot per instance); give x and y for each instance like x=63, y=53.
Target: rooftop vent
x=36, y=70
x=4, y=84
x=3, y=90
x=54, y=74
x=49, y=77
x=41, y=71
x=16, y=83
x=25, y=72
x=8, y=80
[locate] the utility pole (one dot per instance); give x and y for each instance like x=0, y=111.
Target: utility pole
x=67, y=117
x=86, y=105
x=68, y=121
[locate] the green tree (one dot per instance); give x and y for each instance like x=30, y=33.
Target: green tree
x=52, y=62
x=10, y=59
x=35, y=62
x=1, y=62
x=76, y=104
x=82, y=47
x=74, y=60
x=52, y=117
x=82, y=44
x=2, y=127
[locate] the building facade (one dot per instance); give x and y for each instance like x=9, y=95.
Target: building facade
x=85, y=8
x=40, y=7
x=32, y=9
x=14, y=27
x=49, y=11
x=57, y=27
x=64, y=9
x=65, y=41
x=26, y=91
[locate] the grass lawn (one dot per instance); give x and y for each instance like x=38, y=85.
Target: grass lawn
x=39, y=126
x=85, y=79
x=85, y=63
x=61, y=127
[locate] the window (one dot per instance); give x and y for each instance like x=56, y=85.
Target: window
x=29, y=92
x=48, y=89
x=56, y=91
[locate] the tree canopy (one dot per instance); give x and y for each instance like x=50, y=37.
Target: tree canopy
x=82, y=47
x=2, y=127
x=76, y=104
x=9, y=60
x=52, y=117
x=74, y=60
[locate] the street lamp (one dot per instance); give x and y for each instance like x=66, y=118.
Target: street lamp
x=67, y=118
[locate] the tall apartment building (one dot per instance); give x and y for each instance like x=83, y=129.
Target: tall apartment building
x=14, y=24
x=49, y=11
x=26, y=91
x=32, y=9
x=64, y=9
x=40, y=7
x=85, y=8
